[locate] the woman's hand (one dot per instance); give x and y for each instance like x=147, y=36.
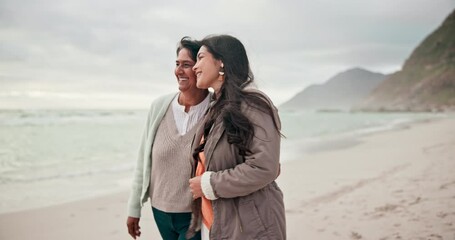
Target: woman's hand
x=133, y=227
x=195, y=187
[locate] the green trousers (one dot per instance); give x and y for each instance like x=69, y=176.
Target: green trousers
x=173, y=226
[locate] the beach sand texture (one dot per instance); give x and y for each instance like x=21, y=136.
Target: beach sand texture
x=396, y=184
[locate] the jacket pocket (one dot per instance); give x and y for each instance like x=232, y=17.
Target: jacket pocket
x=251, y=222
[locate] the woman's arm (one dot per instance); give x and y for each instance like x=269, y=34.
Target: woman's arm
x=261, y=165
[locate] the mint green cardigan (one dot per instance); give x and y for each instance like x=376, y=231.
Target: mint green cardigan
x=140, y=188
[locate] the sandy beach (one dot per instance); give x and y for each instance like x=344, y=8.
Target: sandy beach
x=396, y=184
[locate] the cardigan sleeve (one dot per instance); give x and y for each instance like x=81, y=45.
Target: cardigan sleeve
x=134, y=202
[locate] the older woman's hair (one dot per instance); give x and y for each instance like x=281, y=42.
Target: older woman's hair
x=190, y=44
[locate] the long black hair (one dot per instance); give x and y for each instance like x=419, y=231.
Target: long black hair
x=237, y=75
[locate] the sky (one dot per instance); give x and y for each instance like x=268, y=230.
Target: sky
x=120, y=54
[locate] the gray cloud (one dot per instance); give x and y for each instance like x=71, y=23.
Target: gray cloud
x=128, y=47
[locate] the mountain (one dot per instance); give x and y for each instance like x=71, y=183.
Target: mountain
x=427, y=79
x=338, y=93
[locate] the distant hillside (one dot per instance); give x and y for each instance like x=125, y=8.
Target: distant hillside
x=427, y=79
x=338, y=93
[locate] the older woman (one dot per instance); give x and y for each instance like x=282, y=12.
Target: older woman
x=236, y=156
x=163, y=169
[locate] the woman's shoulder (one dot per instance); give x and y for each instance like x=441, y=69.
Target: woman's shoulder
x=164, y=98
x=260, y=94
x=162, y=102
x=257, y=112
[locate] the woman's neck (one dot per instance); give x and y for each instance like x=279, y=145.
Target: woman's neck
x=189, y=99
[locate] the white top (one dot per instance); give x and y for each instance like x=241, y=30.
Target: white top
x=185, y=121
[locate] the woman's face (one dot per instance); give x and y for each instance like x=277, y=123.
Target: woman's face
x=186, y=78
x=207, y=70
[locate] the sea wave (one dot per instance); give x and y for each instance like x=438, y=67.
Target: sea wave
x=52, y=117
x=31, y=175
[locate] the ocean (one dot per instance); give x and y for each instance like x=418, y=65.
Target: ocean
x=55, y=156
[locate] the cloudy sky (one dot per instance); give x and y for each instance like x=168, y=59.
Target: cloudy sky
x=121, y=54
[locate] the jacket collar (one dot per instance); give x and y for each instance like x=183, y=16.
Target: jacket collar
x=214, y=137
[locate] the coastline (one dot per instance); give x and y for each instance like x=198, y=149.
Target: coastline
x=388, y=185
x=392, y=185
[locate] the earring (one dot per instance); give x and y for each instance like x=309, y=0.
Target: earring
x=221, y=72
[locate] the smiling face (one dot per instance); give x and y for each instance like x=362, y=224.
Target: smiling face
x=186, y=77
x=207, y=71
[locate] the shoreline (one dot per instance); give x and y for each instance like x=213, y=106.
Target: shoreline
x=398, y=179
x=351, y=139
x=393, y=185
x=343, y=140
x=21, y=191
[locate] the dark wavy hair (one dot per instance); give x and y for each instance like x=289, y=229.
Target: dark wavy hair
x=237, y=75
x=190, y=44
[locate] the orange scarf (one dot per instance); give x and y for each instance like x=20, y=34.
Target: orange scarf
x=207, y=211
